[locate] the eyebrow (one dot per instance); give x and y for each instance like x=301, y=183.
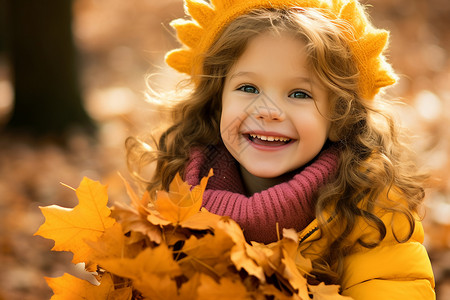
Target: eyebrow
x=253, y=74
x=242, y=73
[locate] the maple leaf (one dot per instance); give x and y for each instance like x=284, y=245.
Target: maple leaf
x=293, y=275
x=140, y=204
x=224, y=290
x=69, y=228
x=156, y=287
x=163, y=288
x=188, y=290
x=133, y=221
x=208, y=254
x=239, y=252
x=202, y=220
x=112, y=244
x=69, y=287
x=125, y=293
x=134, y=218
x=157, y=261
x=326, y=292
x=260, y=253
x=270, y=290
x=180, y=203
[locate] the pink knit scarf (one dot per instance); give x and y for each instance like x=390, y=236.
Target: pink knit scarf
x=290, y=204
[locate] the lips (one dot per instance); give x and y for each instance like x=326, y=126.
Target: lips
x=267, y=139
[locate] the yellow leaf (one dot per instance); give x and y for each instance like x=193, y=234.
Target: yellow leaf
x=132, y=220
x=293, y=275
x=69, y=287
x=239, y=254
x=271, y=290
x=326, y=292
x=164, y=288
x=110, y=245
x=180, y=203
x=290, y=241
x=188, y=290
x=156, y=287
x=224, y=290
x=121, y=294
x=158, y=261
x=209, y=254
x=139, y=204
x=69, y=228
x=260, y=253
x=202, y=220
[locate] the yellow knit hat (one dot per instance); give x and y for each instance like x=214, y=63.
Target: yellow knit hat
x=366, y=42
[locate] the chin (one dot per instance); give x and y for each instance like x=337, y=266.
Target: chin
x=263, y=173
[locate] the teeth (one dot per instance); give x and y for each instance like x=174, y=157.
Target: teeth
x=270, y=138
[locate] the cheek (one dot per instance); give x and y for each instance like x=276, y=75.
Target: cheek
x=312, y=126
x=232, y=112
x=229, y=124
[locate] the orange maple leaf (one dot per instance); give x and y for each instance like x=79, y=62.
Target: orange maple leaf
x=132, y=220
x=293, y=275
x=180, y=203
x=326, y=292
x=208, y=254
x=158, y=261
x=156, y=287
x=239, y=252
x=224, y=290
x=69, y=287
x=70, y=228
x=112, y=244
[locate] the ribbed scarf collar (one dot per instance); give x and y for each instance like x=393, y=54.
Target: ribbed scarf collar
x=291, y=204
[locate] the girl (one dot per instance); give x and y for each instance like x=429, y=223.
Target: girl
x=282, y=109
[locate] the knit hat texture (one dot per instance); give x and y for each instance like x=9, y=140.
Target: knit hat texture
x=208, y=20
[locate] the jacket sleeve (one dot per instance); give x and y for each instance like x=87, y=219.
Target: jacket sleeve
x=390, y=271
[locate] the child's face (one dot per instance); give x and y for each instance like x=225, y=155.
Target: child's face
x=273, y=107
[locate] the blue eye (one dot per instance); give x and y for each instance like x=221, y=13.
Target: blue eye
x=248, y=89
x=299, y=95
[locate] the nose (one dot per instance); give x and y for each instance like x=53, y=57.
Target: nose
x=265, y=109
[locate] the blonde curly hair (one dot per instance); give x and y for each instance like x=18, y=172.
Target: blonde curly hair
x=373, y=158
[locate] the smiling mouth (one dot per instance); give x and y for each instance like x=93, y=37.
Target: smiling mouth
x=265, y=140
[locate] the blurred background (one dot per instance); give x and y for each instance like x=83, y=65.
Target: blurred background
x=72, y=88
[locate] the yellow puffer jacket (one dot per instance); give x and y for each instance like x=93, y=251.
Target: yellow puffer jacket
x=391, y=270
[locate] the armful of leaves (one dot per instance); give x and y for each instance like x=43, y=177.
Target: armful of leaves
x=170, y=248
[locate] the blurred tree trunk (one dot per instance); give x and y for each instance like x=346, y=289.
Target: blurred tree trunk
x=43, y=59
